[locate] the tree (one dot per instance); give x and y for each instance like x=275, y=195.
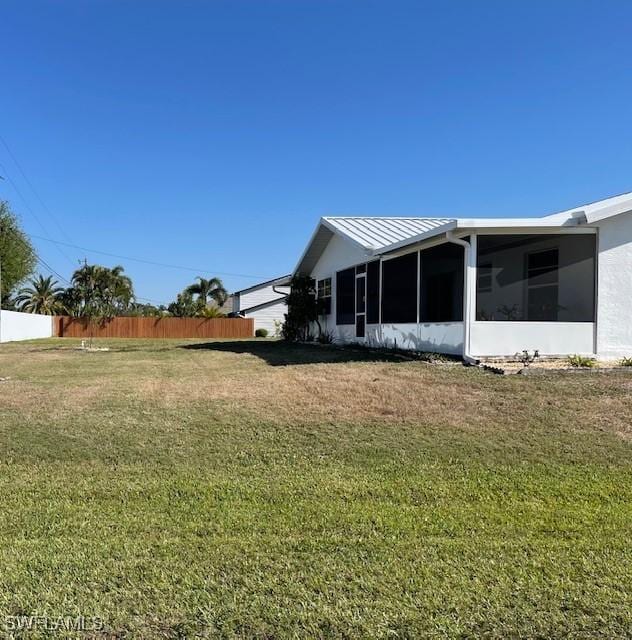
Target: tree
x=205, y=289
x=17, y=256
x=119, y=289
x=184, y=306
x=43, y=296
x=98, y=294
x=146, y=310
x=302, y=309
x=99, y=290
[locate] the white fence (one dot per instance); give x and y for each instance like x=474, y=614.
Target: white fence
x=24, y=326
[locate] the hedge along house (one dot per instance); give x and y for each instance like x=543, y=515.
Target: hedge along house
x=561, y=283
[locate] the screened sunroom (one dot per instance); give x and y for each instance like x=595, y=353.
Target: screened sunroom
x=479, y=287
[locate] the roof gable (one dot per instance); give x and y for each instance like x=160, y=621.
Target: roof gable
x=276, y=282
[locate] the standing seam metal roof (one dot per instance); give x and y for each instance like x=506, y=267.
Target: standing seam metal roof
x=378, y=233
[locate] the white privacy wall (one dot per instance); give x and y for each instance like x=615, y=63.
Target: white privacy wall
x=24, y=326
x=614, y=291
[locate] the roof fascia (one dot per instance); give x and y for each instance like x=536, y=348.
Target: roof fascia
x=323, y=222
x=608, y=212
x=266, y=283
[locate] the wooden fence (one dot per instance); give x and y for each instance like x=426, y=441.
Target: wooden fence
x=67, y=327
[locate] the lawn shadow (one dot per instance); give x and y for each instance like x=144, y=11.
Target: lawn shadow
x=278, y=353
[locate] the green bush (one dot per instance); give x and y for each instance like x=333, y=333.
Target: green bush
x=326, y=337
x=261, y=333
x=626, y=362
x=582, y=361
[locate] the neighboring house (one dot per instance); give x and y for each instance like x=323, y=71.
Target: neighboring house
x=228, y=306
x=265, y=302
x=561, y=283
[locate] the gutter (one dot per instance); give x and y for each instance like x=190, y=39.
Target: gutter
x=281, y=293
x=467, y=297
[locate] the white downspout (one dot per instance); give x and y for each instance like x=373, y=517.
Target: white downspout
x=467, y=294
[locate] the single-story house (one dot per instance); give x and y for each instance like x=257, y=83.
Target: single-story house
x=561, y=284
x=265, y=302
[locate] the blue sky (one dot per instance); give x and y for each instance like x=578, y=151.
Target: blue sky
x=212, y=135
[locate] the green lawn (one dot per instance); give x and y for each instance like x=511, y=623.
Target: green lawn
x=251, y=489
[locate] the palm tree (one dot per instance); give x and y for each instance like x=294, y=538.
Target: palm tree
x=205, y=289
x=97, y=288
x=43, y=296
x=119, y=287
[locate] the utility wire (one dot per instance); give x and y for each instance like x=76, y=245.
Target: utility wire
x=52, y=271
x=30, y=184
x=151, y=262
x=28, y=206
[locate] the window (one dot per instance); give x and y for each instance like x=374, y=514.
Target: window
x=323, y=289
x=345, y=296
x=536, y=278
x=442, y=284
x=399, y=289
x=373, y=292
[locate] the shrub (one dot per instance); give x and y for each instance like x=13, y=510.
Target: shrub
x=431, y=356
x=582, y=361
x=261, y=333
x=302, y=309
x=326, y=337
x=626, y=362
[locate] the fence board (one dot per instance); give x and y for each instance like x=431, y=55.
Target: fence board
x=137, y=327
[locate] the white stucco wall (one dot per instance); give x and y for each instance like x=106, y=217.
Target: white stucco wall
x=614, y=291
x=550, y=338
x=24, y=326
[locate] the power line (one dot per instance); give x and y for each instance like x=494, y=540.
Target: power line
x=52, y=271
x=151, y=262
x=28, y=206
x=30, y=184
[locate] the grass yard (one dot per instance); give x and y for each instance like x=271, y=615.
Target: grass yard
x=257, y=490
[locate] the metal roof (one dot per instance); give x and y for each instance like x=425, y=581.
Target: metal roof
x=378, y=233
x=383, y=234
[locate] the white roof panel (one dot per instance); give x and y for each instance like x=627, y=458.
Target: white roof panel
x=375, y=234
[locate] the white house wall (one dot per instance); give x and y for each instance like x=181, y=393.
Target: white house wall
x=614, y=291
x=259, y=296
x=439, y=337
x=265, y=317
x=550, y=338
x=339, y=254
x=24, y=326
